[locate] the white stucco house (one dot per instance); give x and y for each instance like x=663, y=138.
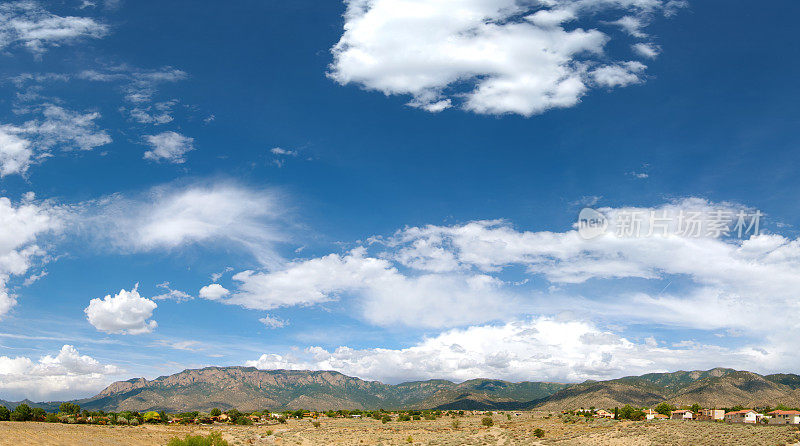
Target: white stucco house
x=784, y=417
x=743, y=416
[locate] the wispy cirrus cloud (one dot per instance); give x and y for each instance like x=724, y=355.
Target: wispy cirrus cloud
x=28, y=24
x=55, y=128
x=222, y=214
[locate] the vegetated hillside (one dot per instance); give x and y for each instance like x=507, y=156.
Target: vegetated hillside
x=712, y=388
x=247, y=388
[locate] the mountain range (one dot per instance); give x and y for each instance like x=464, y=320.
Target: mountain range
x=248, y=388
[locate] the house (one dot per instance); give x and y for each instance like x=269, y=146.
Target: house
x=602, y=413
x=711, y=415
x=651, y=414
x=681, y=415
x=784, y=417
x=743, y=416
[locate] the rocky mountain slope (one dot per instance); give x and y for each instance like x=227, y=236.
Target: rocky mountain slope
x=713, y=388
x=247, y=388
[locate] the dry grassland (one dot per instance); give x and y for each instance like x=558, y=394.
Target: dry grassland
x=517, y=431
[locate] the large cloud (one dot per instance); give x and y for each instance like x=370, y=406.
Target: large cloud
x=20, y=227
x=444, y=276
x=493, y=56
x=28, y=24
x=125, y=313
x=543, y=349
x=386, y=296
x=53, y=377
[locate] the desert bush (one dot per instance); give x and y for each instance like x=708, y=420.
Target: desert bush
x=538, y=432
x=315, y=423
x=269, y=432
x=213, y=439
x=282, y=420
x=404, y=417
x=385, y=419
x=244, y=421
x=409, y=439
x=455, y=424
x=134, y=422
x=487, y=421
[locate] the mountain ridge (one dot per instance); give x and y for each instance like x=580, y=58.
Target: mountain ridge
x=249, y=388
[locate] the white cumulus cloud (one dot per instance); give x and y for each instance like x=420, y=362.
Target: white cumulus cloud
x=125, y=313
x=487, y=56
x=540, y=349
x=214, y=291
x=54, y=377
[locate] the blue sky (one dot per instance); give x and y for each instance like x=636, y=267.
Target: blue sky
x=389, y=189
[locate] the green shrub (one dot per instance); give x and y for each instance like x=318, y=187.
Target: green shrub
x=52, y=418
x=538, y=433
x=23, y=412
x=213, y=439
x=315, y=423
x=38, y=414
x=455, y=424
x=5, y=414
x=385, y=419
x=487, y=421
x=69, y=408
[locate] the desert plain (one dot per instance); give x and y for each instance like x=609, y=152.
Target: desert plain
x=465, y=430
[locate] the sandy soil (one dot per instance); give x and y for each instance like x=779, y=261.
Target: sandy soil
x=518, y=430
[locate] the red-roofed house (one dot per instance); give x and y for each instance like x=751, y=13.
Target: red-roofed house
x=784, y=417
x=743, y=416
x=681, y=415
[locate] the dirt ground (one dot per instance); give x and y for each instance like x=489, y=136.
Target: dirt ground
x=469, y=431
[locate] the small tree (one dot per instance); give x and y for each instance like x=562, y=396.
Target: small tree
x=665, y=408
x=215, y=412
x=22, y=412
x=69, y=408
x=695, y=408
x=4, y=413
